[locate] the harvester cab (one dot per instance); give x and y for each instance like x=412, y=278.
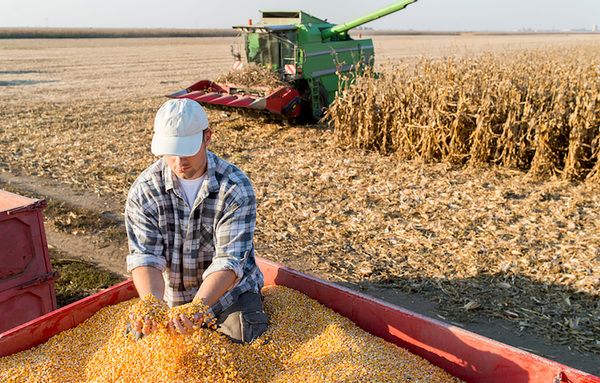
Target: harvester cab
x=306, y=54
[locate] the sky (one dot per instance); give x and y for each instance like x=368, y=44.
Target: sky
x=424, y=15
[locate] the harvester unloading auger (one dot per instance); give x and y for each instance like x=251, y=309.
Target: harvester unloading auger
x=307, y=53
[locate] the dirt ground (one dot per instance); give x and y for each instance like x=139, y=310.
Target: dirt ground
x=105, y=70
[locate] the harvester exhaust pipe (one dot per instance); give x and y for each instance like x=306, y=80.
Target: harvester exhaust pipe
x=343, y=27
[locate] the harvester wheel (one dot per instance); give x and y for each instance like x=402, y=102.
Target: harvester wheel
x=306, y=111
x=323, y=100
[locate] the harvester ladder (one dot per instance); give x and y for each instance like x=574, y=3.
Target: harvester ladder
x=315, y=97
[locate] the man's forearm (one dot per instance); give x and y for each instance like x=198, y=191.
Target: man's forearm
x=148, y=280
x=215, y=285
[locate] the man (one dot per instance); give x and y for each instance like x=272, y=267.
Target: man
x=190, y=221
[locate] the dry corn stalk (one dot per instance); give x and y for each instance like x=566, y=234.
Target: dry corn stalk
x=515, y=109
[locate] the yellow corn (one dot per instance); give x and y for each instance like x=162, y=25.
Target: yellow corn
x=189, y=309
x=150, y=307
x=158, y=311
x=305, y=342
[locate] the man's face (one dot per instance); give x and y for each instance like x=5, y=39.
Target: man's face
x=193, y=166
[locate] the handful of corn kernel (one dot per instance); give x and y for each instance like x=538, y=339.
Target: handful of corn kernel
x=149, y=307
x=305, y=342
x=189, y=309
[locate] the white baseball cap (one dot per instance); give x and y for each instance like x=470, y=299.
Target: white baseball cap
x=179, y=128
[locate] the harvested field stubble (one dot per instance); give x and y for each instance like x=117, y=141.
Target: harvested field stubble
x=83, y=33
x=480, y=240
x=537, y=110
x=48, y=137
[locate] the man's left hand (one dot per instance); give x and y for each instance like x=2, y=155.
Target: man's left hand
x=184, y=326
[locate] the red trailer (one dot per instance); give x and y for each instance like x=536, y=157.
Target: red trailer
x=26, y=276
x=463, y=354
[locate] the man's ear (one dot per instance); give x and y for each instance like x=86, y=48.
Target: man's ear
x=207, y=137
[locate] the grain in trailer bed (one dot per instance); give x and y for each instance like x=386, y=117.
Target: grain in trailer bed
x=305, y=342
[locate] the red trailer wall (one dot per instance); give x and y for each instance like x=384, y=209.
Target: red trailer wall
x=26, y=278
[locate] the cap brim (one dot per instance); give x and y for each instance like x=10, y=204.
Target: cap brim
x=177, y=146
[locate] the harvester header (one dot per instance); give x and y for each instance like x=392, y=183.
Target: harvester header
x=308, y=55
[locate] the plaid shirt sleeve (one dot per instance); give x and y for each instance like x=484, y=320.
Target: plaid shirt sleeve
x=233, y=234
x=141, y=222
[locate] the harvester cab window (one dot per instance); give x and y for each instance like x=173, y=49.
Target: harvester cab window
x=288, y=48
x=263, y=49
x=271, y=50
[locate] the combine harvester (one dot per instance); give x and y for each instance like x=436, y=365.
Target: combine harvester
x=306, y=52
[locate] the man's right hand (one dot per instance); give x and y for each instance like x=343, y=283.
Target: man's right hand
x=146, y=316
x=143, y=324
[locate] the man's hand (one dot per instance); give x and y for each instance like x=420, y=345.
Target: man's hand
x=144, y=325
x=146, y=316
x=186, y=326
x=139, y=327
x=187, y=319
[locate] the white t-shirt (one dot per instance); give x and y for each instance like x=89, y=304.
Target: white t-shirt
x=191, y=188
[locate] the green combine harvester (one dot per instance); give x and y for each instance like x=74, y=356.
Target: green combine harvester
x=307, y=53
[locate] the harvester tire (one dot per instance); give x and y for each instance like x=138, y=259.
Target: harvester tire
x=323, y=100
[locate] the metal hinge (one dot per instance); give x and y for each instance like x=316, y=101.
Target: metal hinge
x=33, y=206
x=45, y=278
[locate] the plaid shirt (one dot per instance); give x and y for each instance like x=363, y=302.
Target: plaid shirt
x=187, y=244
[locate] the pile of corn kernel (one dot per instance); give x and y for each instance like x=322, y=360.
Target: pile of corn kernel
x=305, y=342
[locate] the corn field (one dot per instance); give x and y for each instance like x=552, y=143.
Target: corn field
x=536, y=110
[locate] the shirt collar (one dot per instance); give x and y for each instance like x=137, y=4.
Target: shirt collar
x=211, y=178
x=211, y=167
x=168, y=177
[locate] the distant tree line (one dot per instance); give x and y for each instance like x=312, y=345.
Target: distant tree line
x=89, y=33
